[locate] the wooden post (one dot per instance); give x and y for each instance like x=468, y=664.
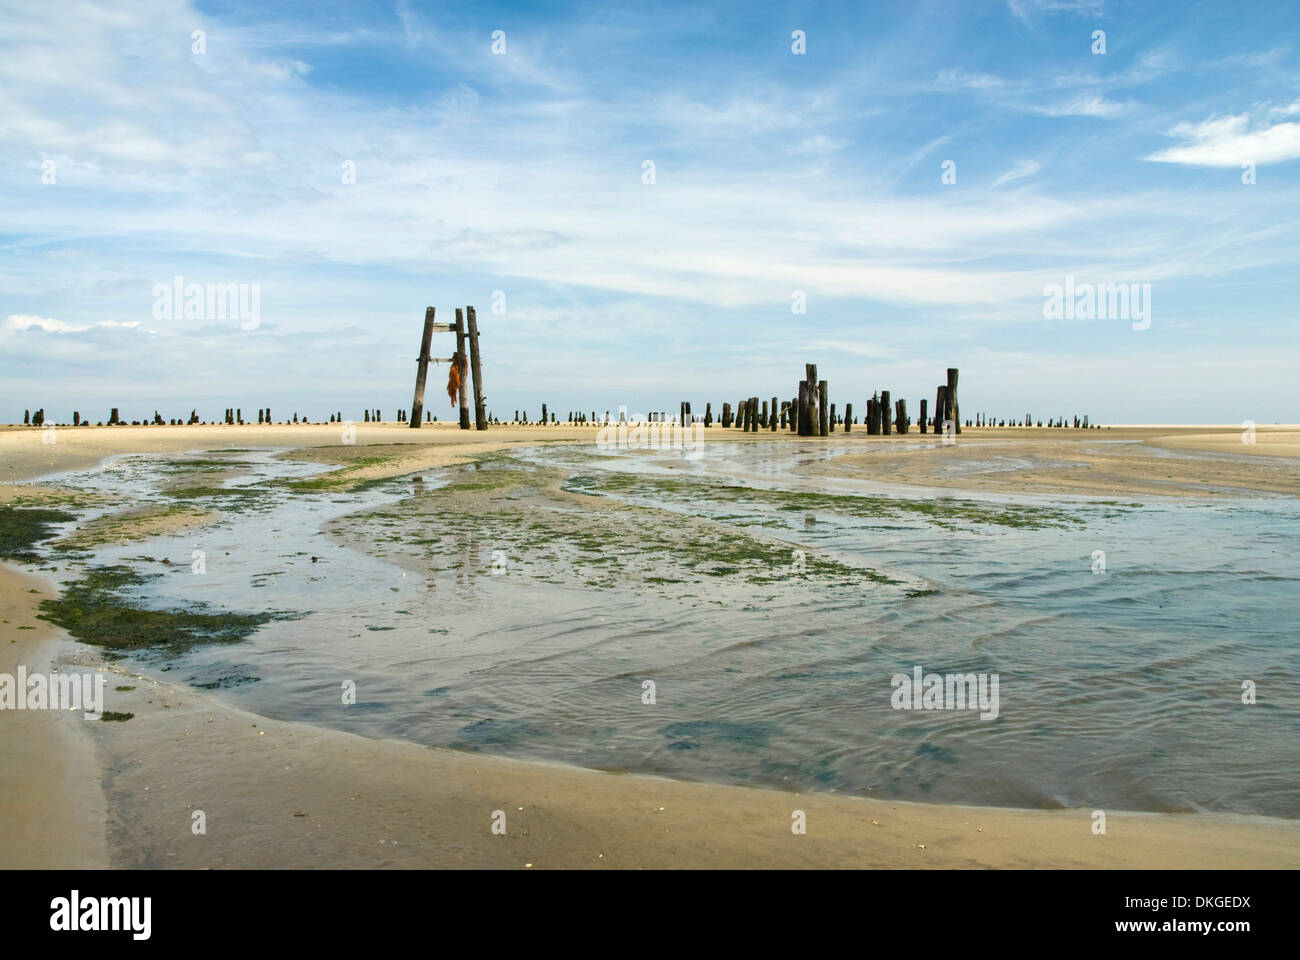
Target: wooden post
x=902, y=416
x=708, y=414
x=873, y=416
x=923, y=405
x=832, y=418
x=939, y=411
x=848, y=417
x=823, y=427
x=886, y=412
x=480, y=413
x=811, y=421
x=464, y=373
x=754, y=422
x=954, y=410
x=801, y=414
x=726, y=414
x=421, y=369
x=762, y=417
x=543, y=414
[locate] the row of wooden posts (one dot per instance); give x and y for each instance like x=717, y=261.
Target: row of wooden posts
x=810, y=413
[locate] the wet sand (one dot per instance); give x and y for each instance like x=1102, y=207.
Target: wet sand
x=85, y=793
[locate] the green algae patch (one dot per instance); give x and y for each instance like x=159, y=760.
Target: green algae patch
x=134, y=525
x=346, y=479
x=23, y=528
x=943, y=512
x=534, y=522
x=97, y=610
x=194, y=493
x=113, y=716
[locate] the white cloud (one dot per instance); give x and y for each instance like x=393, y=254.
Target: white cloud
x=27, y=321
x=1230, y=141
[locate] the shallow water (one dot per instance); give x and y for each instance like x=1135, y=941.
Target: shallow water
x=1118, y=689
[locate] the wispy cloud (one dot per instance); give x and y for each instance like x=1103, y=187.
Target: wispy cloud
x=1028, y=11
x=956, y=79
x=817, y=146
x=1022, y=169
x=1089, y=105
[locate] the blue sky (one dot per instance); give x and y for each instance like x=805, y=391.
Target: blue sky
x=774, y=172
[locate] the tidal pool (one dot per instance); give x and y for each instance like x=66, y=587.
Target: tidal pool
x=520, y=606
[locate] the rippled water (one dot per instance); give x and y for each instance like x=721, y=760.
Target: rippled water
x=1118, y=690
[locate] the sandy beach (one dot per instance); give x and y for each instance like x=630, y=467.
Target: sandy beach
x=286, y=794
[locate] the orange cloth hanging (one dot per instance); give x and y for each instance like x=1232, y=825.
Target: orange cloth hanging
x=453, y=378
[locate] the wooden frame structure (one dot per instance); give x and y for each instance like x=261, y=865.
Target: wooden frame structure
x=466, y=328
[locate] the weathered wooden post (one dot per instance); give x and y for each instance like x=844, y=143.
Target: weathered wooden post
x=924, y=402
x=422, y=368
x=708, y=414
x=832, y=418
x=873, y=417
x=811, y=422
x=823, y=427
x=801, y=414
x=940, y=410
x=476, y=368
x=762, y=417
x=726, y=414
x=771, y=422
x=544, y=414
x=464, y=378
x=886, y=413
x=954, y=409
x=902, y=416
x=848, y=417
